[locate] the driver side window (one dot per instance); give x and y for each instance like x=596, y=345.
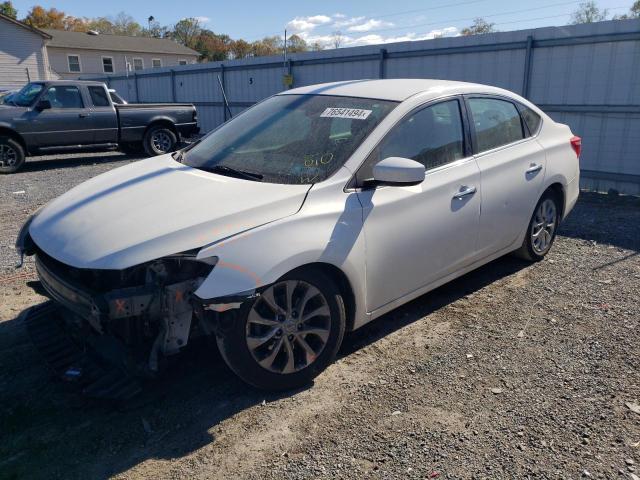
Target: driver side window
x=433, y=136
x=63, y=96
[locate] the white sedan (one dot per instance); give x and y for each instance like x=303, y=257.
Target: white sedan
x=305, y=217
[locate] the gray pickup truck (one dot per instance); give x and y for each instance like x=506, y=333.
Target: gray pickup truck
x=70, y=115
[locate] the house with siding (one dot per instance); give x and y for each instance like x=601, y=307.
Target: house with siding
x=75, y=54
x=23, y=53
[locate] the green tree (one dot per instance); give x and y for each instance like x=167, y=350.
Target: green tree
x=267, y=46
x=7, y=8
x=588, y=12
x=124, y=24
x=186, y=31
x=479, y=26
x=296, y=43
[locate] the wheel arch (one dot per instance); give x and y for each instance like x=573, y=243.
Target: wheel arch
x=558, y=190
x=342, y=282
x=165, y=122
x=15, y=135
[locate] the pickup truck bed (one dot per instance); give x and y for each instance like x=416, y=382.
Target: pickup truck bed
x=71, y=115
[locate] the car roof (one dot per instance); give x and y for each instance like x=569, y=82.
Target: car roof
x=72, y=82
x=397, y=89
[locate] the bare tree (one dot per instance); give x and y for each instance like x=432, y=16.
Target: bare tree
x=480, y=25
x=337, y=39
x=588, y=12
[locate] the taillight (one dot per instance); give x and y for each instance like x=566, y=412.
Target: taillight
x=576, y=144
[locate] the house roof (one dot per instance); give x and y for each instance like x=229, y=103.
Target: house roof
x=24, y=25
x=121, y=43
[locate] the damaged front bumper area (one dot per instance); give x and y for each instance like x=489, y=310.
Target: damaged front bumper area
x=133, y=318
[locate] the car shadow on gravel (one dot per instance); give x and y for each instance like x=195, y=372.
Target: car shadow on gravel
x=56, y=432
x=38, y=164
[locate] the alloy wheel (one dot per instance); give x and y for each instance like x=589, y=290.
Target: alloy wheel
x=288, y=326
x=543, y=226
x=8, y=156
x=161, y=141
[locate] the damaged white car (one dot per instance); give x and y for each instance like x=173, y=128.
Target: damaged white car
x=308, y=215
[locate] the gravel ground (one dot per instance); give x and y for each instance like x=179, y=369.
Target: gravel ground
x=512, y=371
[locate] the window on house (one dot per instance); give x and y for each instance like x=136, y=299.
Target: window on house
x=138, y=64
x=182, y=62
x=107, y=64
x=74, y=63
x=156, y=62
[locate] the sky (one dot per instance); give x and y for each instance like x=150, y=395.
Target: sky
x=359, y=22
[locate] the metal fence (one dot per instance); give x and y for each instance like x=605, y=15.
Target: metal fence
x=587, y=76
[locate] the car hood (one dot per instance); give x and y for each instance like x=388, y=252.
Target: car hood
x=8, y=112
x=153, y=208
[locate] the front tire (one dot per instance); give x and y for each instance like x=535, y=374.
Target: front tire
x=288, y=335
x=159, y=140
x=542, y=229
x=12, y=155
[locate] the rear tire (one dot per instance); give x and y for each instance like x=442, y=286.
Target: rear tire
x=159, y=140
x=296, y=349
x=542, y=228
x=12, y=154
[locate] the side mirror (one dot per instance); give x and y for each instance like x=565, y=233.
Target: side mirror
x=43, y=104
x=398, y=171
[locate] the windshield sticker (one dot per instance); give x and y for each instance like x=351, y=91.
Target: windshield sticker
x=336, y=112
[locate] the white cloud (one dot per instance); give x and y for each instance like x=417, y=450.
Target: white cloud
x=370, y=24
x=305, y=24
x=203, y=20
x=373, y=39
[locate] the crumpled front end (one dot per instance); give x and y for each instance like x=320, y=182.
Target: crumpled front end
x=134, y=317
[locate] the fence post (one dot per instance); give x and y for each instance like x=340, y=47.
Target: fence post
x=135, y=83
x=173, y=85
x=527, y=67
x=383, y=56
x=290, y=72
x=224, y=109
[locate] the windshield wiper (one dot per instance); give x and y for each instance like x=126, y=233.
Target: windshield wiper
x=225, y=170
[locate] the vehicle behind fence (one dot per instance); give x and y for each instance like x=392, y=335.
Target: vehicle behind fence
x=587, y=76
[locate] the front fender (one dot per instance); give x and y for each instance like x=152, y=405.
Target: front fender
x=331, y=234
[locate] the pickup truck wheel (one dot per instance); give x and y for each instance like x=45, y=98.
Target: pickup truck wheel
x=11, y=155
x=159, y=140
x=288, y=335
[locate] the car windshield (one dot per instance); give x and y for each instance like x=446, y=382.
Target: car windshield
x=27, y=95
x=292, y=139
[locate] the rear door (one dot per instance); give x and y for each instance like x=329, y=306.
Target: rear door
x=66, y=123
x=103, y=115
x=512, y=167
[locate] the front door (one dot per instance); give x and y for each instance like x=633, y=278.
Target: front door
x=419, y=234
x=512, y=168
x=66, y=123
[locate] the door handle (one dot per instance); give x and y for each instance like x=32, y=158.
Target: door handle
x=534, y=169
x=83, y=115
x=465, y=191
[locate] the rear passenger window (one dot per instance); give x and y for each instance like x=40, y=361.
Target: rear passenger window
x=497, y=122
x=99, y=97
x=432, y=136
x=532, y=119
